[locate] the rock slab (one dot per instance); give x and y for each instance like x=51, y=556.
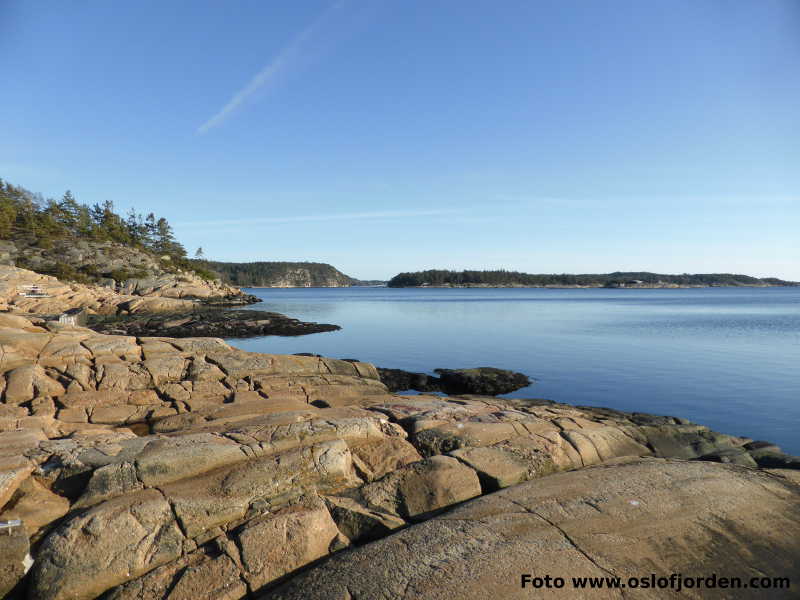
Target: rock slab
x=646, y=516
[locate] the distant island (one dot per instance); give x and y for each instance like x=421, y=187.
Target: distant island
x=283, y=274
x=502, y=278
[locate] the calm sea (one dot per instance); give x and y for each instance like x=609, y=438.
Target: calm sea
x=727, y=358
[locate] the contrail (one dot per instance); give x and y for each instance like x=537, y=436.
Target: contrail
x=387, y=214
x=287, y=56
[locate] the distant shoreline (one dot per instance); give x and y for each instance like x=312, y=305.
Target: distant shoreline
x=617, y=280
x=594, y=287
x=300, y=287
x=510, y=286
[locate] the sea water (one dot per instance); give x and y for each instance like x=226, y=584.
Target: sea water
x=728, y=358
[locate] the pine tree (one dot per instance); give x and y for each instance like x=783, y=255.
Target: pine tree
x=165, y=242
x=112, y=226
x=8, y=211
x=98, y=229
x=69, y=209
x=84, y=226
x=151, y=231
x=137, y=231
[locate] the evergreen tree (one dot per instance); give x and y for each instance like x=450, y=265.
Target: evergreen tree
x=165, y=242
x=84, y=225
x=110, y=224
x=69, y=210
x=96, y=215
x=151, y=231
x=137, y=231
x=8, y=211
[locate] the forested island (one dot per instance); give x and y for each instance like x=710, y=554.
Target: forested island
x=280, y=274
x=503, y=278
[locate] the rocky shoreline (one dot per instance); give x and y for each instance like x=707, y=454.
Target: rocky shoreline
x=163, y=468
x=27, y=292
x=175, y=305
x=143, y=458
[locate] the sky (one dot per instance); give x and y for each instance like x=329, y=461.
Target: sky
x=383, y=136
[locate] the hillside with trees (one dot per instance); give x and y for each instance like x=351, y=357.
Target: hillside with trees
x=280, y=274
x=502, y=278
x=41, y=233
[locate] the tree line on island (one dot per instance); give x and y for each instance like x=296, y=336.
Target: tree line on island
x=501, y=278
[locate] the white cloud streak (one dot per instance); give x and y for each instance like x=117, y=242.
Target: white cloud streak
x=359, y=216
x=289, y=56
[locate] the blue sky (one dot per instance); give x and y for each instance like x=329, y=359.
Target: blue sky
x=543, y=136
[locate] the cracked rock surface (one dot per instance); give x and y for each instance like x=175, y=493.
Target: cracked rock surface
x=153, y=468
x=633, y=518
x=26, y=291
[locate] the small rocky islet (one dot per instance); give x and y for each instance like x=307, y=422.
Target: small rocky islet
x=171, y=467
x=487, y=381
x=208, y=322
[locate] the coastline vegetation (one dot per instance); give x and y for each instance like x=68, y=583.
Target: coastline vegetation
x=28, y=217
x=503, y=278
x=29, y=220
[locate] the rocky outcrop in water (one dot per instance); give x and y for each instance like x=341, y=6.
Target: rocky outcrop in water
x=163, y=468
x=216, y=323
x=487, y=381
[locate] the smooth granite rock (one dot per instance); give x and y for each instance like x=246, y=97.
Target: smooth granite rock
x=624, y=520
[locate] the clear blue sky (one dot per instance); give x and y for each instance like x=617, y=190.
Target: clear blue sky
x=543, y=136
